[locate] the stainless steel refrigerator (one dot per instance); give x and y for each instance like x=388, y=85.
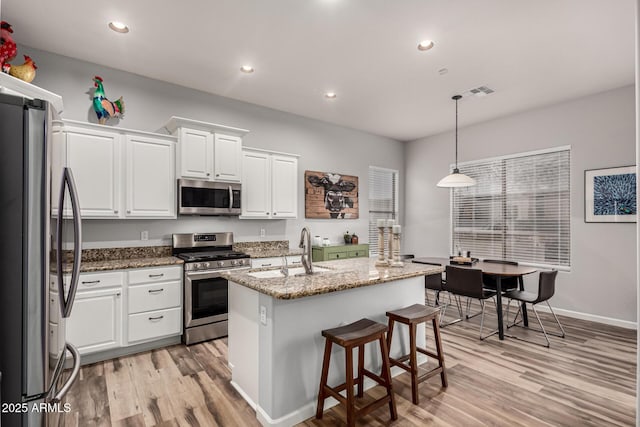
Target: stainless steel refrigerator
x=34, y=380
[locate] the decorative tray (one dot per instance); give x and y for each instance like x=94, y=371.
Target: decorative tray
x=460, y=260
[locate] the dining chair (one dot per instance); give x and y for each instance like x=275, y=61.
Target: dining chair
x=507, y=283
x=467, y=282
x=546, y=289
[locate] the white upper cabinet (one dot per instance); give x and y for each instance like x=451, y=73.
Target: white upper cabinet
x=116, y=168
x=150, y=174
x=269, y=185
x=94, y=158
x=227, y=158
x=284, y=186
x=207, y=151
x=196, y=154
x=256, y=184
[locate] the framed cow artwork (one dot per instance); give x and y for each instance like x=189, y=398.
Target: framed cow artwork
x=330, y=195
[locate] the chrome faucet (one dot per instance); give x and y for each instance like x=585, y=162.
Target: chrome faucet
x=306, y=250
x=285, y=266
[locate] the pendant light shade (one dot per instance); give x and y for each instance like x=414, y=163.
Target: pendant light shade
x=456, y=179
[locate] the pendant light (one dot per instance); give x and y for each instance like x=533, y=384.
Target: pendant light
x=456, y=179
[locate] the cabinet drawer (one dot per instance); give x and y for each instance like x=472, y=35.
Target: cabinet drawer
x=266, y=262
x=338, y=255
x=159, y=274
x=359, y=253
x=90, y=281
x=154, y=324
x=154, y=296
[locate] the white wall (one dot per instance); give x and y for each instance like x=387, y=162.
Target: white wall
x=149, y=105
x=601, y=131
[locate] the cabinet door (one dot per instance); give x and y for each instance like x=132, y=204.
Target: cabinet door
x=94, y=158
x=256, y=185
x=150, y=184
x=284, y=187
x=227, y=155
x=96, y=320
x=196, y=154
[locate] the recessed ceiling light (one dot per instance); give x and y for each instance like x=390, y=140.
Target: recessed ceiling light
x=330, y=95
x=425, y=45
x=247, y=69
x=118, y=27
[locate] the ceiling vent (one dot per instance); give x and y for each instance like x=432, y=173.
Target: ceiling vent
x=478, y=91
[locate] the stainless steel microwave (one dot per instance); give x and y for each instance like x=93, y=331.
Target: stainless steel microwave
x=197, y=197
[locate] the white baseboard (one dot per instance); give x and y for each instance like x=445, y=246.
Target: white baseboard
x=591, y=317
x=308, y=410
x=244, y=395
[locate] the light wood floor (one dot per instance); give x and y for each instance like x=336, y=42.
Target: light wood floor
x=586, y=379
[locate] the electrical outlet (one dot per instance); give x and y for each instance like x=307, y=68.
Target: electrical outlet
x=263, y=314
x=144, y=235
x=263, y=232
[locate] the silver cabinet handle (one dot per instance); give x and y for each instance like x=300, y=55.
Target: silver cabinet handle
x=90, y=282
x=115, y=211
x=128, y=211
x=155, y=291
x=266, y=265
x=275, y=213
x=156, y=318
x=156, y=275
x=217, y=174
x=117, y=294
x=208, y=174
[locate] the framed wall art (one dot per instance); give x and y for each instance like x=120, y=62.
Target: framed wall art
x=610, y=195
x=330, y=195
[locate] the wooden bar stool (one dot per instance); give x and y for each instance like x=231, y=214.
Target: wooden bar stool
x=413, y=316
x=356, y=334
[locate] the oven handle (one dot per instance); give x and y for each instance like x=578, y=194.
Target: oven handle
x=211, y=274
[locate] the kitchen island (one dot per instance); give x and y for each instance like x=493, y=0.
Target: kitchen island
x=275, y=324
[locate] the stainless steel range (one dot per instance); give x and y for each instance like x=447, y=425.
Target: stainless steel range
x=206, y=292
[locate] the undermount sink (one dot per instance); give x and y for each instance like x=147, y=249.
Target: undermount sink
x=298, y=271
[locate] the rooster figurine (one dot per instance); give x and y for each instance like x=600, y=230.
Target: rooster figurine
x=26, y=71
x=8, y=47
x=104, y=108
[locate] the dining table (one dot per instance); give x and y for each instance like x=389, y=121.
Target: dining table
x=498, y=271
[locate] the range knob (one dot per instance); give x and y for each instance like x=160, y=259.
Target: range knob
x=220, y=263
x=240, y=262
x=234, y=262
x=196, y=265
x=205, y=265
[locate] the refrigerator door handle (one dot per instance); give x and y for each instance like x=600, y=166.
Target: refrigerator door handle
x=72, y=378
x=66, y=303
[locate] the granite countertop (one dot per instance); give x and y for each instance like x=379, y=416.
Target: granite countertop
x=121, y=264
x=105, y=259
x=345, y=274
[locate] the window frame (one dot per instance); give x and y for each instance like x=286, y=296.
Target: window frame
x=514, y=156
x=373, y=245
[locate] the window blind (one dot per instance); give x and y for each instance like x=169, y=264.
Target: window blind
x=518, y=211
x=383, y=201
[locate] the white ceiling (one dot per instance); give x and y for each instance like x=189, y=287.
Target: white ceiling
x=532, y=53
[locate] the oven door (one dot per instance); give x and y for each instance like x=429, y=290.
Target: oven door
x=206, y=298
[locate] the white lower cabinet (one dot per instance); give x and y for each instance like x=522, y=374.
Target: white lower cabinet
x=154, y=324
x=155, y=304
x=292, y=261
x=96, y=320
x=117, y=309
